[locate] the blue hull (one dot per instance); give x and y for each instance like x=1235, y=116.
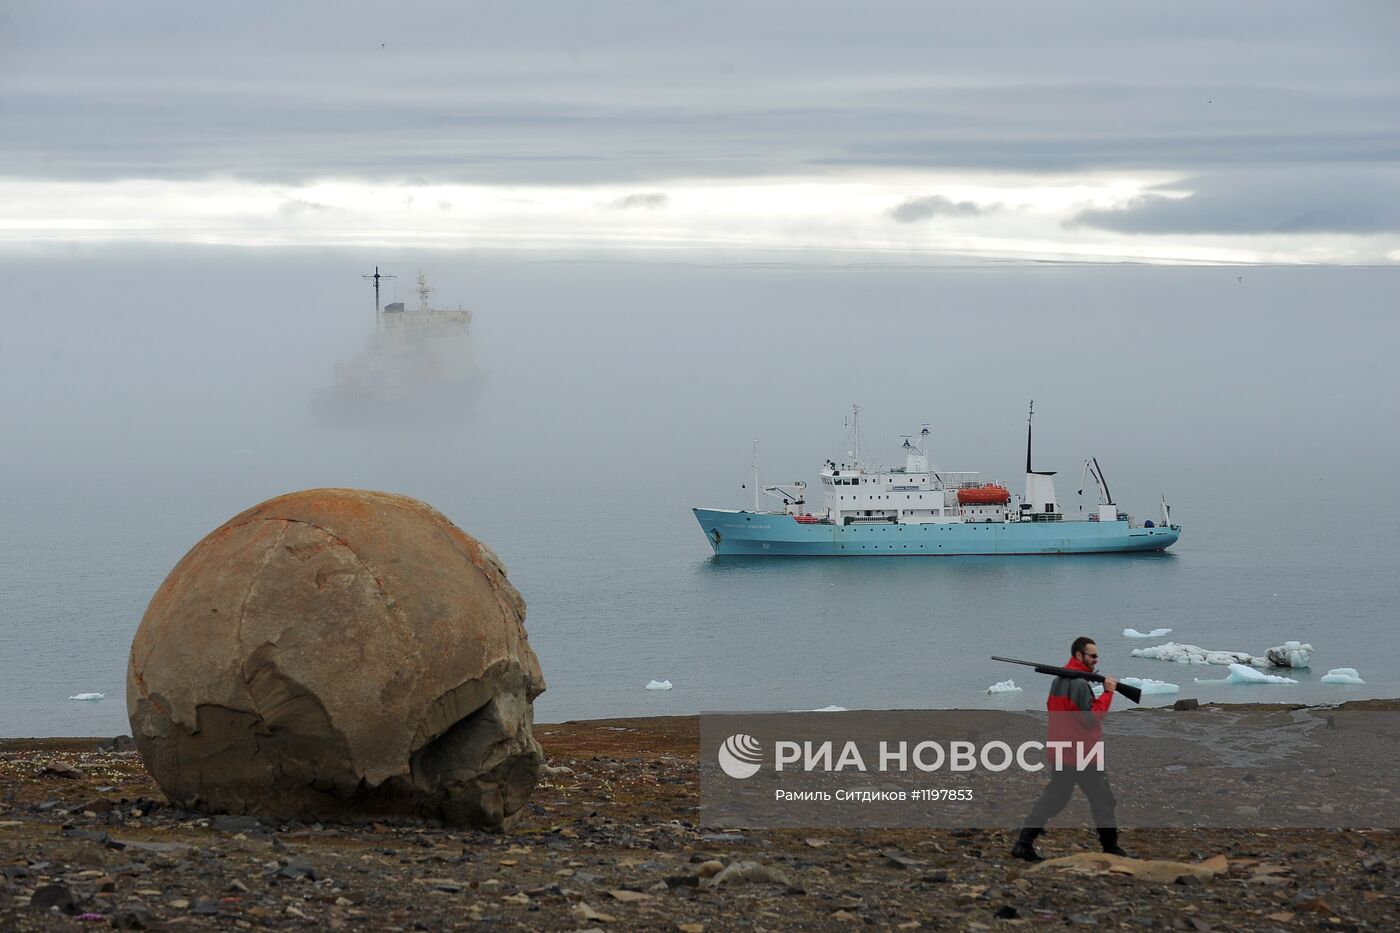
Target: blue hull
x=769, y=534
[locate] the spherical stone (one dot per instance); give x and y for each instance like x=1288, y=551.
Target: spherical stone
x=333, y=653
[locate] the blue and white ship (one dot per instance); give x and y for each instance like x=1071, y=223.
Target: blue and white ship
x=920, y=509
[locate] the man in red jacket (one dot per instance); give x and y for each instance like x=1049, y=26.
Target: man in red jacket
x=1076, y=726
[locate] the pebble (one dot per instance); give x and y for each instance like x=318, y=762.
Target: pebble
x=131, y=918
x=584, y=913
x=749, y=873
x=628, y=896
x=54, y=896
x=63, y=769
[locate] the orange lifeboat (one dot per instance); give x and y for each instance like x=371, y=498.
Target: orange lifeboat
x=806, y=519
x=991, y=494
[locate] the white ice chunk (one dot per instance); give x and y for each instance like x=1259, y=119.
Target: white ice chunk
x=1005, y=686
x=1192, y=654
x=1155, y=633
x=824, y=709
x=659, y=685
x=1148, y=685
x=1342, y=675
x=1290, y=654
x=87, y=696
x=1243, y=674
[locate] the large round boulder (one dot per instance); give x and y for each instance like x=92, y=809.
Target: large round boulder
x=333, y=653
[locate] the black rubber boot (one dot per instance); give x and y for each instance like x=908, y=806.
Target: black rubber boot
x=1108, y=838
x=1025, y=846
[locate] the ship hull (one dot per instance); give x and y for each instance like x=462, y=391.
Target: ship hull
x=771, y=534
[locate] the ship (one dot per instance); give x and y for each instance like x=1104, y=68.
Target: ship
x=418, y=366
x=918, y=509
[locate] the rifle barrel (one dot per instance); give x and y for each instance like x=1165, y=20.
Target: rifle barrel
x=1129, y=691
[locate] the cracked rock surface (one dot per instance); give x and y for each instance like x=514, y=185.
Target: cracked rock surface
x=335, y=652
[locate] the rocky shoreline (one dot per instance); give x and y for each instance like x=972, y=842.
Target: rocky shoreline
x=610, y=841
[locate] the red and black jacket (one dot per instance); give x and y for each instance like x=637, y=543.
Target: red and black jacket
x=1075, y=716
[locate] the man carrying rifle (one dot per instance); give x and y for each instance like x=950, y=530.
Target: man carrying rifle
x=1076, y=718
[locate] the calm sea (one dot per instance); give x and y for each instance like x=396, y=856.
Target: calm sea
x=149, y=395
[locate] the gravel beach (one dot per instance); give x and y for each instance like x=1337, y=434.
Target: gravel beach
x=610, y=841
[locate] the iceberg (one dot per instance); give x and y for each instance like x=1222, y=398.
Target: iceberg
x=1148, y=685
x=1342, y=675
x=1290, y=654
x=1193, y=654
x=87, y=696
x=1155, y=633
x=1006, y=686
x=659, y=685
x=1244, y=674
x=824, y=709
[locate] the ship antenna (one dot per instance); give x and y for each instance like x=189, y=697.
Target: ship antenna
x=376, y=277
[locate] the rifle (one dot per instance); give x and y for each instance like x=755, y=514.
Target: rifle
x=1129, y=691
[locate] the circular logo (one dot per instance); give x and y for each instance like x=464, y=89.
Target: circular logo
x=740, y=756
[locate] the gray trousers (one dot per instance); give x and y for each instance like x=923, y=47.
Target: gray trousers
x=1061, y=787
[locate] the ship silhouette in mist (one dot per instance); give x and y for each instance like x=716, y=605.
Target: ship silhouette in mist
x=418, y=367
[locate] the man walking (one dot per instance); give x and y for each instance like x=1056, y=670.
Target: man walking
x=1076, y=727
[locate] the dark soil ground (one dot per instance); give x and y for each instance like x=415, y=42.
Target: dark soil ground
x=87, y=840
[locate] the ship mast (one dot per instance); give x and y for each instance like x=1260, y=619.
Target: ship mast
x=376, y=277
x=423, y=292
x=1029, y=416
x=1040, y=488
x=855, y=436
x=755, y=475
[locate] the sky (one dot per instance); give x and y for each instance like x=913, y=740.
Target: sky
x=1168, y=133
x=683, y=226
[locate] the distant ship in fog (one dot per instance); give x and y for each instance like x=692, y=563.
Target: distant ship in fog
x=417, y=366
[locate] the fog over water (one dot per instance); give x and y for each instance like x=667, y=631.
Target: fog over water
x=150, y=393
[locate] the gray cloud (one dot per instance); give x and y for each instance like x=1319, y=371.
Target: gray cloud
x=640, y=93
x=936, y=205
x=294, y=206
x=1357, y=201
x=653, y=200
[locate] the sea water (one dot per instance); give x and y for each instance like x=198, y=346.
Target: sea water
x=149, y=395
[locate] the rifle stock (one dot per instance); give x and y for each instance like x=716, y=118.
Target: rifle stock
x=1129, y=691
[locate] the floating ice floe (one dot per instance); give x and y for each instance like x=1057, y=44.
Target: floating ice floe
x=1006, y=686
x=824, y=709
x=1244, y=674
x=1192, y=654
x=1148, y=685
x=1155, y=633
x=87, y=696
x=659, y=685
x=1342, y=675
x=1290, y=654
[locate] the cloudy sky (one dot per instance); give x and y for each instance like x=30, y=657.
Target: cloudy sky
x=1183, y=132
